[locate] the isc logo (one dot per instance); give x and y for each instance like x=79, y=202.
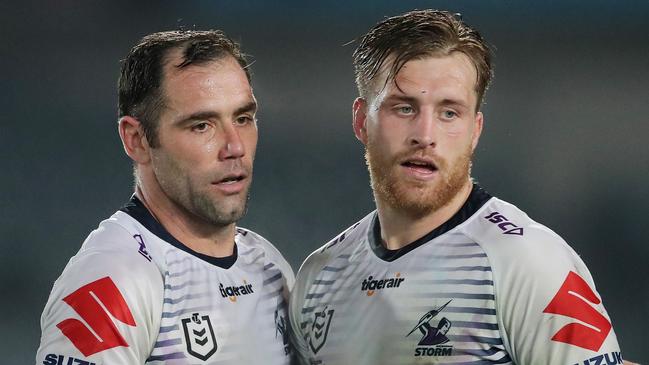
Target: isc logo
x=89, y=302
x=504, y=224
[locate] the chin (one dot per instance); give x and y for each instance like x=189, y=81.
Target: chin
x=418, y=199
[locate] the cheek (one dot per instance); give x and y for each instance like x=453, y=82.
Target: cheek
x=166, y=167
x=192, y=157
x=250, y=139
x=454, y=145
x=389, y=132
x=381, y=140
x=210, y=148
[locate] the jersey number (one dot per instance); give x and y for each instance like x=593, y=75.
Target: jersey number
x=91, y=302
x=572, y=301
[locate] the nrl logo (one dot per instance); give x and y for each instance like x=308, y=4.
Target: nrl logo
x=199, y=336
x=320, y=328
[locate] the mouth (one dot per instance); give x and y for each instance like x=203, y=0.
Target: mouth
x=420, y=166
x=231, y=179
x=232, y=183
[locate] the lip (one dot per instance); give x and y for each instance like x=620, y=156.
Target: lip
x=419, y=172
x=233, y=186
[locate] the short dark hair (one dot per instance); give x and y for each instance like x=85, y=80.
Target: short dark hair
x=418, y=34
x=140, y=93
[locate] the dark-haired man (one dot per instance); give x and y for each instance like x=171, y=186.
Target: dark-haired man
x=503, y=288
x=169, y=278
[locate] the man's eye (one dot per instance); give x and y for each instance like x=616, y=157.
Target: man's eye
x=243, y=120
x=405, y=109
x=200, y=127
x=449, y=114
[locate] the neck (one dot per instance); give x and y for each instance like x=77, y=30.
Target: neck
x=194, y=232
x=398, y=229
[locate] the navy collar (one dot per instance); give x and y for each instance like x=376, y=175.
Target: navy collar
x=136, y=209
x=477, y=198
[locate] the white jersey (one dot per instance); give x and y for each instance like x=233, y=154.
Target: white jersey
x=134, y=294
x=490, y=286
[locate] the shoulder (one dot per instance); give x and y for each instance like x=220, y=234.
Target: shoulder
x=510, y=237
x=252, y=239
x=109, y=258
x=540, y=282
x=343, y=243
x=114, y=248
x=112, y=287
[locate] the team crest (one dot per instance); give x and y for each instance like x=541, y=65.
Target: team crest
x=199, y=336
x=320, y=328
x=433, y=340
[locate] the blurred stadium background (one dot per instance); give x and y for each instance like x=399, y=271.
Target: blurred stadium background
x=565, y=136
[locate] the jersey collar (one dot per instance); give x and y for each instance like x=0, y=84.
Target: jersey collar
x=136, y=209
x=477, y=198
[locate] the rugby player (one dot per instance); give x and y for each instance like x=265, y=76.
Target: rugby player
x=169, y=278
x=442, y=272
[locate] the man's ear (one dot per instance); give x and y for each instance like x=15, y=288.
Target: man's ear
x=477, y=130
x=133, y=139
x=360, y=119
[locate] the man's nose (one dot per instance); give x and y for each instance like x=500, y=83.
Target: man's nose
x=423, y=129
x=232, y=144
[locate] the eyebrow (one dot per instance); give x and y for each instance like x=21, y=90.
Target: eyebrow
x=250, y=107
x=402, y=98
x=413, y=100
x=454, y=102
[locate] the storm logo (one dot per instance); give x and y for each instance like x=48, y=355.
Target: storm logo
x=433, y=339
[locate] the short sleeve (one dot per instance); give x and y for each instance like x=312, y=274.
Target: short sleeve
x=105, y=308
x=547, y=306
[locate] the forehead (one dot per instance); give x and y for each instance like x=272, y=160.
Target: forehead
x=430, y=76
x=222, y=78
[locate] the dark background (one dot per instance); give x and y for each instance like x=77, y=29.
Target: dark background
x=564, y=139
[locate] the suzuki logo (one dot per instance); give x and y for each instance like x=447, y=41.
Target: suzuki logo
x=575, y=299
x=87, y=301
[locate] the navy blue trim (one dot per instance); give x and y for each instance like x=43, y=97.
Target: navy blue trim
x=136, y=209
x=475, y=201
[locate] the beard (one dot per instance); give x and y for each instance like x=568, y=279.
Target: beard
x=217, y=213
x=183, y=189
x=416, y=198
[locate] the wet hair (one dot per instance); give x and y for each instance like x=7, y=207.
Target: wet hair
x=414, y=35
x=140, y=91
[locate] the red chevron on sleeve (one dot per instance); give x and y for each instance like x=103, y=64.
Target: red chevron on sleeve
x=574, y=300
x=87, y=301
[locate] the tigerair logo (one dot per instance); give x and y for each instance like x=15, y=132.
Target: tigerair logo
x=370, y=285
x=232, y=292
